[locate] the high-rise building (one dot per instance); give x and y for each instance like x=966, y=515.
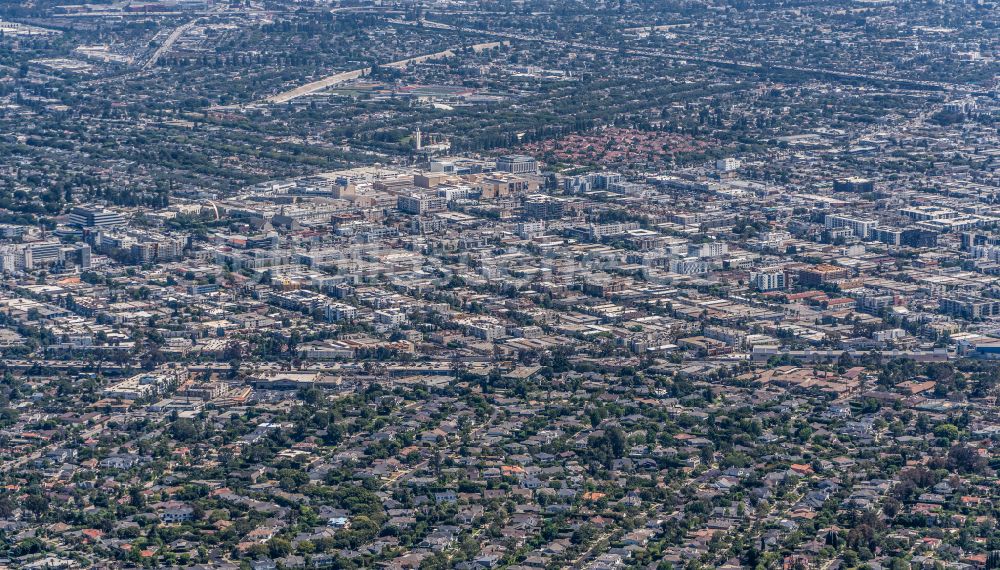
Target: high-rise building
x=768, y=279
x=85, y=256
x=578, y=184
x=727, y=164
x=11, y=259
x=603, y=180
x=541, y=207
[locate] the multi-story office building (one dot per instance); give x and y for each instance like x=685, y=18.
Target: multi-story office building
x=861, y=228
x=340, y=312
x=578, y=184
x=822, y=274
x=926, y=213
x=889, y=236
x=912, y=237
x=85, y=256
x=157, y=248
x=542, y=207
x=853, y=184
x=874, y=302
x=972, y=239
x=916, y=237
x=529, y=230
x=603, y=180
x=970, y=308
x=689, y=266
x=419, y=204
x=12, y=259
x=627, y=188
x=44, y=252
x=710, y=249
x=11, y=231
x=599, y=231
x=93, y=217
x=505, y=185
x=517, y=164
x=29, y=256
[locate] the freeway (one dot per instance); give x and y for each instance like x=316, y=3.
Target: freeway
x=219, y=11
x=168, y=43
x=662, y=54
x=68, y=365
x=337, y=78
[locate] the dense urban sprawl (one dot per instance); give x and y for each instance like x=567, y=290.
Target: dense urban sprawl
x=529, y=284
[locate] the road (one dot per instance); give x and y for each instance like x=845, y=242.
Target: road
x=21, y=461
x=169, y=43
x=662, y=54
x=899, y=128
x=223, y=11
x=337, y=78
x=405, y=473
x=70, y=365
x=599, y=545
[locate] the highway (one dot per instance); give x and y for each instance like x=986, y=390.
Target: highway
x=168, y=43
x=70, y=365
x=662, y=54
x=337, y=78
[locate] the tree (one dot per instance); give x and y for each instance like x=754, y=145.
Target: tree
x=184, y=429
x=278, y=547
x=949, y=432
x=30, y=545
x=37, y=504
x=616, y=437
x=965, y=459
x=845, y=361
x=891, y=507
